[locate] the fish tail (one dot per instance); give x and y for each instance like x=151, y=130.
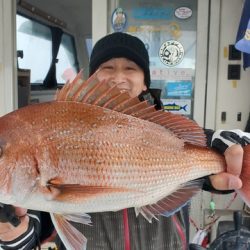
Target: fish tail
x=244, y=192
x=185, y=107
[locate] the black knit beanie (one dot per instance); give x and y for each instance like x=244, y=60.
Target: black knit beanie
x=120, y=44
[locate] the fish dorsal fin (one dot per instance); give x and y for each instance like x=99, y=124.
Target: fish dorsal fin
x=172, y=203
x=103, y=94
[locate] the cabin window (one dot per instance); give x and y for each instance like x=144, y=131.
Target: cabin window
x=66, y=57
x=88, y=45
x=34, y=40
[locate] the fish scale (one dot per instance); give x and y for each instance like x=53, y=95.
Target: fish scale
x=95, y=149
x=136, y=156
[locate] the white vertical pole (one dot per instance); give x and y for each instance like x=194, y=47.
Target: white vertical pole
x=213, y=64
x=201, y=62
x=99, y=19
x=8, y=62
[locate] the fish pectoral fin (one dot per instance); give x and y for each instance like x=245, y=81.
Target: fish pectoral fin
x=66, y=191
x=49, y=193
x=70, y=236
x=172, y=203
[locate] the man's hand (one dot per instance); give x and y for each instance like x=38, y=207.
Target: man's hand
x=8, y=231
x=230, y=179
x=229, y=143
x=8, y=214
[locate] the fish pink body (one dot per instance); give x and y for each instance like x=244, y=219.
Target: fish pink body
x=81, y=154
x=133, y=160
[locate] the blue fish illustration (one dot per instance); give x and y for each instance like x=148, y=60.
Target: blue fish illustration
x=174, y=107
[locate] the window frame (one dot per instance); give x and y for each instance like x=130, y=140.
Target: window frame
x=39, y=86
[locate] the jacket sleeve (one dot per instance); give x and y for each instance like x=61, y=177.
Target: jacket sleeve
x=40, y=227
x=28, y=240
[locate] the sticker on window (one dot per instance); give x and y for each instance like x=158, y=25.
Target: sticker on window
x=118, y=20
x=183, y=13
x=171, y=53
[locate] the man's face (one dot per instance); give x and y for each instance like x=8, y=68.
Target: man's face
x=126, y=74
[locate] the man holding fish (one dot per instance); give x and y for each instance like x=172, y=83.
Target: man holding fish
x=122, y=61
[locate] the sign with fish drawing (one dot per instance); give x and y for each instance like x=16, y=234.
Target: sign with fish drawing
x=180, y=106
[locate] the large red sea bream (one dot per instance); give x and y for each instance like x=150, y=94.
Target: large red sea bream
x=95, y=149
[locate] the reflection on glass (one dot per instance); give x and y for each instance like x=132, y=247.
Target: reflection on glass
x=168, y=30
